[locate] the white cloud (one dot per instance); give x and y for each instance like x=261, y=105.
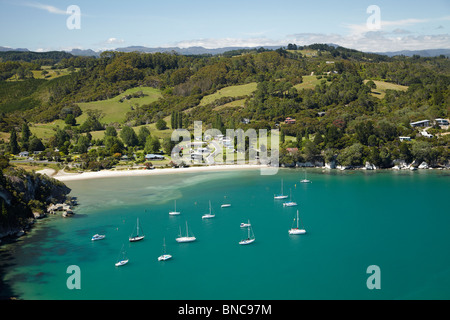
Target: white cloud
x=46, y=7
x=114, y=41
x=212, y=43
x=378, y=41
x=369, y=41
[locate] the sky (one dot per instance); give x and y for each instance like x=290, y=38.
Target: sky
x=371, y=26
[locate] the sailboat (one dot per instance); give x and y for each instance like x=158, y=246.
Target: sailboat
x=187, y=238
x=225, y=205
x=280, y=196
x=138, y=236
x=297, y=230
x=208, y=215
x=122, y=260
x=290, y=203
x=164, y=256
x=250, y=235
x=175, y=212
x=305, y=180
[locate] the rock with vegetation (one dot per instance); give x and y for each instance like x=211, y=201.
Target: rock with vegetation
x=25, y=196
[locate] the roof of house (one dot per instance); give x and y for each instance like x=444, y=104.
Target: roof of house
x=419, y=122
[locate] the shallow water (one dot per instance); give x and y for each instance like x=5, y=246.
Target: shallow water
x=398, y=221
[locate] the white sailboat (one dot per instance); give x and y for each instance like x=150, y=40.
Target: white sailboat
x=186, y=238
x=305, y=180
x=122, y=259
x=250, y=235
x=138, y=236
x=164, y=256
x=280, y=196
x=225, y=205
x=175, y=212
x=290, y=203
x=208, y=215
x=297, y=230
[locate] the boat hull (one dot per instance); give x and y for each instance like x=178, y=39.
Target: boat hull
x=280, y=197
x=185, y=239
x=121, y=263
x=164, y=257
x=247, y=241
x=174, y=213
x=135, y=239
x=297, y=231
x=289, y=204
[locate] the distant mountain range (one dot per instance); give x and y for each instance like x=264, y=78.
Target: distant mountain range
x=422, y=53
x=201, y=50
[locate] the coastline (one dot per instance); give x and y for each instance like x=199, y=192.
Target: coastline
x=63, y=176
x=112, y=173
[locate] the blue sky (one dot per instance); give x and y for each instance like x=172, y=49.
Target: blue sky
x=41, y=25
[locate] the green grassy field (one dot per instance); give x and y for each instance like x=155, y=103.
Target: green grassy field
x=382, y=86
x=309, y=82
x=46, y=130
x=114, y=110
x=231, y=91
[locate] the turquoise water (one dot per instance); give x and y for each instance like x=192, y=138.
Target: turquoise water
x=398, y=221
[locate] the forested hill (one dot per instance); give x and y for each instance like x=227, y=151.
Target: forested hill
x=339, y=97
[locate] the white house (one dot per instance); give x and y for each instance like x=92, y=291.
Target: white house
x=154, y=157
x=442, y=122
x=422, y=123
x=405, y=138
x=24, y=154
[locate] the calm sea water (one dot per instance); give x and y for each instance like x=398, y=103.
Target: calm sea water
x=399, y=221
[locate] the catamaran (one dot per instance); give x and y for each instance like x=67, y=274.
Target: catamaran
x=290, y=203
x=122, y=260
x=280, y=196
x=175, y=212
x=250, y=235
x=187, y=238
x=138, y=236
x=98, y=237
x=297, y=230
x=305, y=180
x=208, y=215
x=164, y=256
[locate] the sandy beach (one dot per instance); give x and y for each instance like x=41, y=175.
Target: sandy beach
x=64, y=176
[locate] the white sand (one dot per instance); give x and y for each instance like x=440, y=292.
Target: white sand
x=64, y=176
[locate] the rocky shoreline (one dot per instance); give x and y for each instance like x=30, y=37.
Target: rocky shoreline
x=26, y=197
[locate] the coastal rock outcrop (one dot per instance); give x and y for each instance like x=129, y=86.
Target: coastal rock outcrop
x=25, y=196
